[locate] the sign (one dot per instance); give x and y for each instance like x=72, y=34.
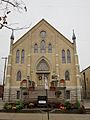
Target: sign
x=42, y=99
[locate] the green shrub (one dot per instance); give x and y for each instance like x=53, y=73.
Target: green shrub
x=58, y=93
x=67, y=104
x=18, y=105
x=77, y=105
x=7, y=106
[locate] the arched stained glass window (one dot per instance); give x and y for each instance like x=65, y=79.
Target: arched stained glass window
x=68, y=56
x=49, y=48
x=17, y=56
x=63, y=56
x=22, y=56
x=42, y=66
x=43, y=46
x=35, y=48
x=67, y=75
x=18, y=76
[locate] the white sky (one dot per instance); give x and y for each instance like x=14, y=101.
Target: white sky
x=64, y=15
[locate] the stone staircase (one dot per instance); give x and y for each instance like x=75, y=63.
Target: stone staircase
x=40, y=91
x=87, y=110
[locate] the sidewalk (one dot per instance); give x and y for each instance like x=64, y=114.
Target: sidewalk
x=43, y=116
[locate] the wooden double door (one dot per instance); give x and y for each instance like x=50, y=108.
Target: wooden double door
x=41, y=77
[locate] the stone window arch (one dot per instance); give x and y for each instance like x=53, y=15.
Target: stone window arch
x=35, y=48
x=68, y=56
x=43, y=46
x=67, y=75
x=19, y=76
x=17, y=56
x=22, y=56
x=49, y=48
x=42, y=66
x=63, y=56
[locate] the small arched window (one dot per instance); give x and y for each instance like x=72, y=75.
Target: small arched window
x=50, y=48
x=35, y=48
x=17, y=56
x=67, y=75
x=43, y=47
x=68, y=56
x=19, y=75
x=22, y=56
x=63, y=56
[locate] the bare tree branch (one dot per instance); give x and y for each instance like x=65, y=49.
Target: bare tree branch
x=19, y=28
x=7, y=1
x=5, y=6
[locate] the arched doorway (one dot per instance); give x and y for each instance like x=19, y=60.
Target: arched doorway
x=42, y=72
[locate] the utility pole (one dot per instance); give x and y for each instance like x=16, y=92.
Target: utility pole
x=4, y=74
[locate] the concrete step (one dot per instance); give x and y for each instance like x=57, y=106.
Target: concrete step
x=36, y=93
x=87, y=110
x=40, y=87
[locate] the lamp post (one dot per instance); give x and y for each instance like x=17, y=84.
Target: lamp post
x=46, y=88
x=4, y=74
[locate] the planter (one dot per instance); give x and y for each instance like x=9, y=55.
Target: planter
x=31, y=88
x=52, y=88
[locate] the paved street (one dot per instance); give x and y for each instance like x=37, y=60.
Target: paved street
x=29, y=116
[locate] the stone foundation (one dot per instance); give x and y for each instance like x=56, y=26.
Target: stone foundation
x=11, y=94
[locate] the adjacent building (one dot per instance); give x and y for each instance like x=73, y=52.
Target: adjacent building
x=85, y=78
x=1, y=91
x=42, y=59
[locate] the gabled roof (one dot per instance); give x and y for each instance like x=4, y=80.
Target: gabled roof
x=43, y=20
x=85, y=69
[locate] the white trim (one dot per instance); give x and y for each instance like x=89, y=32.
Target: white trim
x=29, y=55
x=9, y=65
x=73, y=87
x=56, y=55
x=13, y=87
x=8, y=75
x=28, y=65
x=10, y=54
x=77, y=64
x=78, y=75
x=57, y=65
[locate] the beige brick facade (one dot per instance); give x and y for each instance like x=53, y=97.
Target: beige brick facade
x=43, y=57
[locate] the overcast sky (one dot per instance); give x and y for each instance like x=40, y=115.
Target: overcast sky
x=64, y=15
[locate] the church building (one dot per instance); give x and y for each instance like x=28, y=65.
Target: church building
x=43, y=59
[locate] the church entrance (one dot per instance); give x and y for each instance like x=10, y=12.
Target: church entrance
x=41, y=77
x=43, y=73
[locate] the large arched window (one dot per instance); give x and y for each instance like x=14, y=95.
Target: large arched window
x=17, y=56
x=22, y=56
x=67, y=75
x=63, y=56
x=35, y=48
x=42, y=66
x=49, y=48
x=43, y=47
x=19, y=76
x=68, y=56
